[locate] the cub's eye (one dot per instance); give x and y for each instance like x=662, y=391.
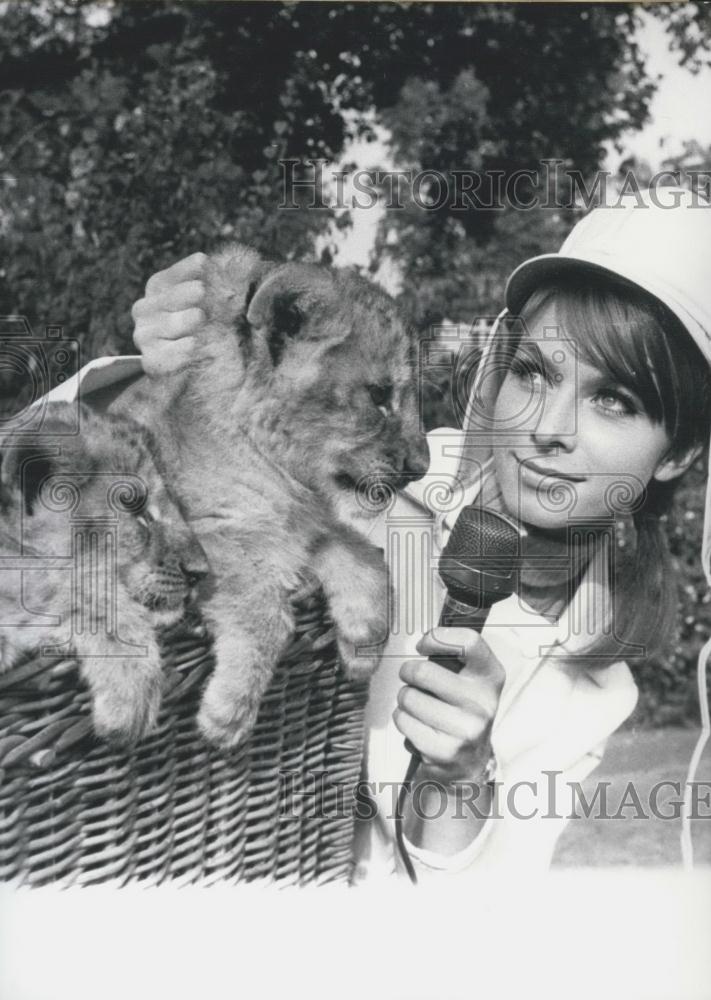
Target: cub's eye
x=144, y=518
x=382, y=396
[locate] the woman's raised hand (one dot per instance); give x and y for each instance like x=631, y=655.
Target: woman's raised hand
x=447, y=716
x=170, y=316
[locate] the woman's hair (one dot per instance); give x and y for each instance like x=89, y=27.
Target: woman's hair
x=638, y=342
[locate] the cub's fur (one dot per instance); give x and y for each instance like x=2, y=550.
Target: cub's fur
x=304, y=390
x=95, y=555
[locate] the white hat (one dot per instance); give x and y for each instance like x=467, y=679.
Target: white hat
x=660, y=240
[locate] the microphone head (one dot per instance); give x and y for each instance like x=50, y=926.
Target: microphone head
x=479, y=561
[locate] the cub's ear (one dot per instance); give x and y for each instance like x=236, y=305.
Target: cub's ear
x=294, y=302
x=27, y=460
x=232, y=276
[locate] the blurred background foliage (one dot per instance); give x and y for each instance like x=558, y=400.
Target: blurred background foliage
x=132, y=134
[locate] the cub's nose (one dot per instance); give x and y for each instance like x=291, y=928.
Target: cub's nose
x=193, y=577
x=417, y=461
x=194, y=564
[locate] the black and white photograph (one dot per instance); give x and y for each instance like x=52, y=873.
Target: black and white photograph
x=355, y=511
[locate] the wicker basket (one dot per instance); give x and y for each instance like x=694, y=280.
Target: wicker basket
x=74, y=811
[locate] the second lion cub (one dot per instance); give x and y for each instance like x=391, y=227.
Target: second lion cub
x=301, y=396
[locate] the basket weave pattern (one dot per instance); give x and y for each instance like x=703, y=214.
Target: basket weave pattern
x=74, y=811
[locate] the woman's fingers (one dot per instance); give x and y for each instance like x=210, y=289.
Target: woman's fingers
x=166, y=357
x=453, y=737
x=447, y=715
x=170, y=317
x=168, y=326
x=468, y=691
x=454, y=688
x=183, y=270
x=468, y=646
x=432, y=744
x=466, y=724
x=445, y=641
x=172, y=299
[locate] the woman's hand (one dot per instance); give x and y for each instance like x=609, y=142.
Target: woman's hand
x=170, y=316
x=447, y=716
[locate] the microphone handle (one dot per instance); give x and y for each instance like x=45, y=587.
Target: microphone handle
x=454, y=614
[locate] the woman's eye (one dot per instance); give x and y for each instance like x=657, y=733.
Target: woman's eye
x=615, y=402
x=382, y=396
x=527, y=371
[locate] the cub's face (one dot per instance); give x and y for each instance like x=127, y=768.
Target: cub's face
x=330, y=382
x=350, y=405
x=102, y=500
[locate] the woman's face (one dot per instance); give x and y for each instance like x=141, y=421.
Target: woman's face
x=577, y=445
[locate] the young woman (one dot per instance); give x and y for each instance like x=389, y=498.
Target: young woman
x=585, y=413
x=590, y=402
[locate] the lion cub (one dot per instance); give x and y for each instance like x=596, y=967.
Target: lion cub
x=300, y=405
x=95, y=555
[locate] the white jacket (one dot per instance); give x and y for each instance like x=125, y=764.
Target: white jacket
x=554, y=715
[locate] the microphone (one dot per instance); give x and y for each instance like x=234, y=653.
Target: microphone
x=477, y=567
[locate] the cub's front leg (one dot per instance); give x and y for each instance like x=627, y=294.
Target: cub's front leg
x=125, y=678
x=355, y=580
x=251, y=622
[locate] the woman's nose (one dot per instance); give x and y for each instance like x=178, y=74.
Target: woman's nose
x=557, y=419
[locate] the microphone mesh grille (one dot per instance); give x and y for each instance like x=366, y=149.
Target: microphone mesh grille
x=483, y=535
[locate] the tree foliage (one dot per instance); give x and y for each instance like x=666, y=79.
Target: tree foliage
x=131, y=138
x=532, y=89
x=688, y=26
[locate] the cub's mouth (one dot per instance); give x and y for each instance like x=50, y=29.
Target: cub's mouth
x=166, y=604
x=372, y=492
x=166, y=609
x=164, y=591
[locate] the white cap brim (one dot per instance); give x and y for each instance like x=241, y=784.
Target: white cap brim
x=547, y=267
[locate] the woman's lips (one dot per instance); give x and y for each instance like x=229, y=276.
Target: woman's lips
x=544, y=470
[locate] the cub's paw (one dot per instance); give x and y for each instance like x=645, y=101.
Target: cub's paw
x=361, y=632
x=126, y=708
x=226, y=720
x=359, y=661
